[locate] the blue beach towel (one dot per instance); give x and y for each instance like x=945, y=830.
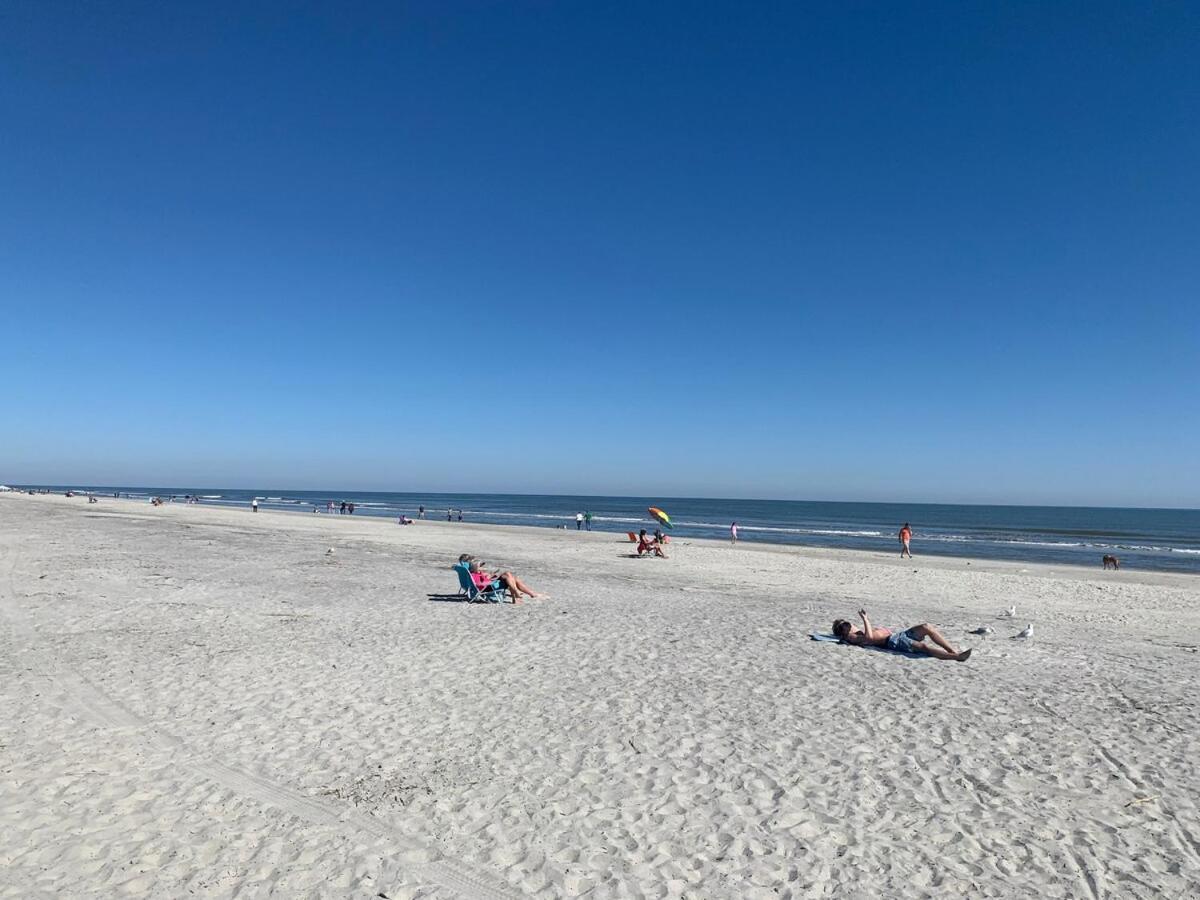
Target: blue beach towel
x=833, y=639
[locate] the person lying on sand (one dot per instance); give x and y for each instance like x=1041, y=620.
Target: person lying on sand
x=507, y=580
x=911, y=640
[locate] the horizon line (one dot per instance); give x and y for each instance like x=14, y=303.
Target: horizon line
x=282, y=491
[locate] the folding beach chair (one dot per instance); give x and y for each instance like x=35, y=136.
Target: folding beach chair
x=468, y=589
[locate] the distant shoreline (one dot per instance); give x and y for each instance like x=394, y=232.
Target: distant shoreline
x=1158, y=540
x=900, y=505
x=920, y=561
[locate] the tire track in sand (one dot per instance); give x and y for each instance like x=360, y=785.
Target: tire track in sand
x=101, y=710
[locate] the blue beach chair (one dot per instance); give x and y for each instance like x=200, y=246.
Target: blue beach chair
x=467, y=588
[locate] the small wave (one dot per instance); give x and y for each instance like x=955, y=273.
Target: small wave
x=1182, y=550
x=825, y=531
x=964, y=539
x=775, y=529
x=509, y=515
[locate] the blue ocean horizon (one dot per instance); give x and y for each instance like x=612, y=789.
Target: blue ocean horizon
x=1153, y=539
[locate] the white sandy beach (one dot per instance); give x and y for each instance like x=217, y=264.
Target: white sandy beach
x=203, y=702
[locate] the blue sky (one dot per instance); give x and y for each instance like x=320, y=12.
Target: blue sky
x=844, y=251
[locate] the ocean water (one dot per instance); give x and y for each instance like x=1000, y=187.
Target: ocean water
x=1161, y=539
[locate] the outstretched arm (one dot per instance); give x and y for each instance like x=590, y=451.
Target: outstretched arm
x=867, y=633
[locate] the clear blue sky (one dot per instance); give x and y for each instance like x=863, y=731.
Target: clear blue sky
x=847, y=251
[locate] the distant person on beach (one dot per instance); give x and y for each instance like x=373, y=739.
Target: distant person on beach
x=645, y=545
x=350, y=508
x=329, y=507
x=449, y=515
x=659, y=537
x=342, y=509
x=506, y=580
x=587, y=521
x=911, y=640
x=578, y=521
x=905, y=538
x=733, y=533
x=420, y=512
x=254, y=505
x=460, y=515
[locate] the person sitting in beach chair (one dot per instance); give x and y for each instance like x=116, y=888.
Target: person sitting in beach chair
x=911, y=640
x=469, y=589
x=491, y=587
x=507, y=580
x=645, y=546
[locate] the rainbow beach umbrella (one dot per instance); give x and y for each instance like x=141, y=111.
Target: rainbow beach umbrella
x=661, y=516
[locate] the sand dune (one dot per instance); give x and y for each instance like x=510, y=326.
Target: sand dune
x=203, y=702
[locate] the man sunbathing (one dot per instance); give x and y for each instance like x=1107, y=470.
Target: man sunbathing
x=911, y=640
x=505, y=580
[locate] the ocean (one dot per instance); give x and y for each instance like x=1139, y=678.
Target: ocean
x=1158, y=539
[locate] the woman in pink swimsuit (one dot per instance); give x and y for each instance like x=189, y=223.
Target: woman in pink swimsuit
x=505, y=580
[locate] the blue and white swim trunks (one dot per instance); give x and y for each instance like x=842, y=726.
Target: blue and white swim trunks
x=902, y=641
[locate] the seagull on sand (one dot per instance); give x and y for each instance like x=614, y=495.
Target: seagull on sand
x=1028, y=632
x=984, y=629
x=1009, y=613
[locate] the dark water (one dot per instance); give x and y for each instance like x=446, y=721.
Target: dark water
x=1164, y=539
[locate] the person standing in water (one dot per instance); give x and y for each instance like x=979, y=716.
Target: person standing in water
x=578, y=521
x=254, y=505
x=587, y=521
x=733, y=533
x=905, y=538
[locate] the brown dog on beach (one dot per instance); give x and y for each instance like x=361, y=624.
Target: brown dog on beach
x=1111, y=562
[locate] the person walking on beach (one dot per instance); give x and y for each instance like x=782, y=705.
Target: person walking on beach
x=587, y=521
x=254, y=505
x=733, y=533
x=578, y=521
x=905, y=537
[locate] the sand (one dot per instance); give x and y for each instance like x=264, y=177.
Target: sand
x=203, y=702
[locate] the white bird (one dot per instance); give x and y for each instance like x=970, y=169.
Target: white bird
x=1009, y=613
x=985, y=629
x=1028, y=632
